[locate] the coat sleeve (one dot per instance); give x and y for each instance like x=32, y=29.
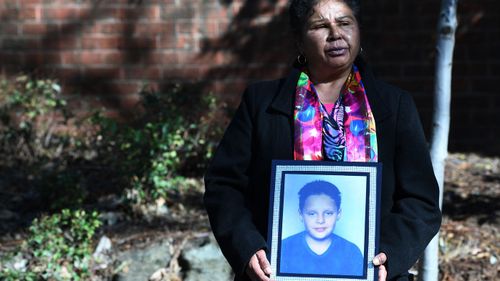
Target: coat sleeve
x=226, y=187
x=415, y=216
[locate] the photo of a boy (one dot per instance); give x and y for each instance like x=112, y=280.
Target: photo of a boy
x=317, y=250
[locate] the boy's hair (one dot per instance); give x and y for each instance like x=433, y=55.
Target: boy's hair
x=317, y=188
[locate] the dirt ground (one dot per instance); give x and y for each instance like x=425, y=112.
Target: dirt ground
x=469, y=239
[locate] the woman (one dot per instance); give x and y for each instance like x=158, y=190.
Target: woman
x=330, y=108
x=317, y=250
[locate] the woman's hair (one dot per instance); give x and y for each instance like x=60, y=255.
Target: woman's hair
x=319, y=187
x=300, y=11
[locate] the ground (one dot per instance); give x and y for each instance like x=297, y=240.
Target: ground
x=470, y=232
x=469, y=238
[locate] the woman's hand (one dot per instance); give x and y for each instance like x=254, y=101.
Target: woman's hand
x=258, y=268
x=379, y=260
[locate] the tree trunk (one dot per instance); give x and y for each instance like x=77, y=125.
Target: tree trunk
x=447, y=25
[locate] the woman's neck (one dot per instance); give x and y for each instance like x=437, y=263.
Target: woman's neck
x=318, y=246
x=329, y=87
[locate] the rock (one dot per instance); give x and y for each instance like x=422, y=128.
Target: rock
x=493, y=259
x=161, y=208
x=103, y=245
x=159, y=275
x=163, y=275
x=202, y=260
x=151, y=212
x=102, y=254
x=111, y=218
x=199, y=260
x=142, y=263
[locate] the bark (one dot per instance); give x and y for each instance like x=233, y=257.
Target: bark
x=429, y=266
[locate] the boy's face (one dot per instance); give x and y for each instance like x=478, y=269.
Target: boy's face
x=319, y=216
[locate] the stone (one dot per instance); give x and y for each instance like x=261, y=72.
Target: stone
x=141, y=263
x=102, y=254
x=103, y=245
x=111, y=218
x=202, y=260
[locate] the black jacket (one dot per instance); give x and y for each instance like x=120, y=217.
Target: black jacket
x=238, y=179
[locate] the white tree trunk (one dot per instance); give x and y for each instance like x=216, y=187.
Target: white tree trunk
x=429, y=269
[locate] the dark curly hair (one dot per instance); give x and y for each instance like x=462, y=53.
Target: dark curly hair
x=300, y=11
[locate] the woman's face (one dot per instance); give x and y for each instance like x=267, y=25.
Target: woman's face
x=330, y=40
x=319, y=216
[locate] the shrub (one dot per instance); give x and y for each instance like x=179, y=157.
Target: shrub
x=59, y=247
x=62, y=163
x=30, y=112
x=173, y=136
x=35, y=140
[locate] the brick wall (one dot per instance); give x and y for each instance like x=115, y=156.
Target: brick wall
x=107, y=50
x=401, y=36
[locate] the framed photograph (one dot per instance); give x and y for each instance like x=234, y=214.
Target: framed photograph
x=324, y=220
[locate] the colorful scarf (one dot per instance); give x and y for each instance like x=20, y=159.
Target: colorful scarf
x=347, y=134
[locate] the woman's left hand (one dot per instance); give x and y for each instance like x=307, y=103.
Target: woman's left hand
x=379, y=260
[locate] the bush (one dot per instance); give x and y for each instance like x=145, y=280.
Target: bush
x=173, y=137
x=59, y=247
x=36, y=142
x=58, y=162
x=30, y=111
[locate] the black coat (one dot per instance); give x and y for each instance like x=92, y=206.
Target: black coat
x=238, y=179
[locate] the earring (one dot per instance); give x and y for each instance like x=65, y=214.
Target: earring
x=301, y=59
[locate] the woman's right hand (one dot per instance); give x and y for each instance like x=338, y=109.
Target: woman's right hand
x=379, y=260
x=258, y=268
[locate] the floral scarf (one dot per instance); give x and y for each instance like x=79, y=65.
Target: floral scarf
x=347, y=134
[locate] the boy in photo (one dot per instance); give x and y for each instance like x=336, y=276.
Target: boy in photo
x=317, y=250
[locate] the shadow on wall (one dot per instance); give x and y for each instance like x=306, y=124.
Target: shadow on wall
x=251, y=48
x=38, y=56
x=258, y=41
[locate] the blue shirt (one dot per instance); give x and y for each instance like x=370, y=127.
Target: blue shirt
x=341, y=258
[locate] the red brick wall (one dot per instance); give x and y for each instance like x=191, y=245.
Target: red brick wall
x=110, y=49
